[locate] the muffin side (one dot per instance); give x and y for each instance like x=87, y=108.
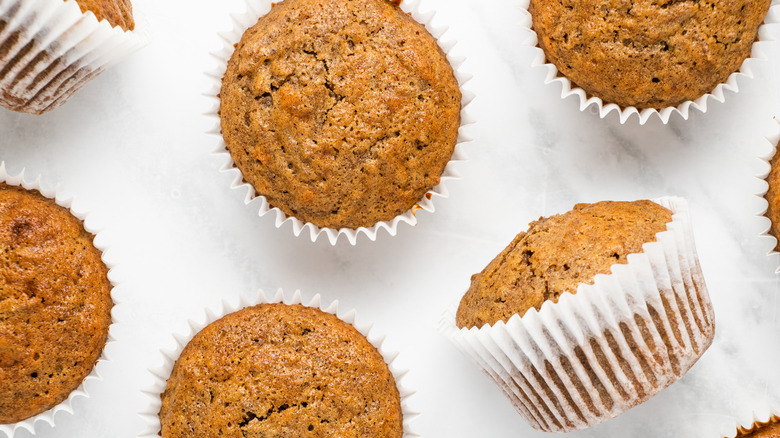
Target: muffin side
x=285, y=370
x=556, y=254
x=55, y=303
x=649, y=54
x=344, y=119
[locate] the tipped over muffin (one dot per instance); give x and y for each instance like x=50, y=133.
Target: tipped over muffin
x=341, y=113
x=589, y=313
x=50, y=49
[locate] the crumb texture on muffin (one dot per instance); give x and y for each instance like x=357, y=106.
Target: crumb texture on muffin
x=277, y=370
x=55, y=303
x=556, y=254
x=342, y=113
x=647, y=53
x=116, y=12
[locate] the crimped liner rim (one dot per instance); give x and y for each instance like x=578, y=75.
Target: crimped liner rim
x=758, y=52
x=241, y=22
x=29, y=424
x=638, y=329
x=169, y=356
x=746, y=424
x=772, y=139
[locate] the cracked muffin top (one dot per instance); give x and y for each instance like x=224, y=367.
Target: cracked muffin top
x=647, y=53
x=277, y=370
x=342, y=113
x=116, y=12
x=55, y=303
x=555, y=255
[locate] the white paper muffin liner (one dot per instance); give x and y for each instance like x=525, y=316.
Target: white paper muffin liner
x=161, y=373
x=49, y=50
x=747, y=423
x=609, y=347
x=770, y=148
x=9, y=430
x=242, y=21
x=664, y=114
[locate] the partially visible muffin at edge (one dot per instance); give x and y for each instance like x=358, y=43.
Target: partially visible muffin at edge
x=647, y=53
x=555, y=255
x=116, y=12
x=280, y=370
x=769, y=429
x=341, y=113
x=772, y=197
x=55, y=303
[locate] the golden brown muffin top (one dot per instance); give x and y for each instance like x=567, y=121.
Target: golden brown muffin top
x=342, y=113
x=55, y=303
x=770, y=429
x=773, y=197
x=556, y=254
x=116, y=12
x=647, y=53
x=277, y=370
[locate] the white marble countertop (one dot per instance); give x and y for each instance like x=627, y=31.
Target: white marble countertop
x=131, y=147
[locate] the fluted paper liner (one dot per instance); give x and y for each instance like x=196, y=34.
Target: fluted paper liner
x=664, y=114
x=255, y=10
x=609, y=347
x=771, y=140
x=162, y=372
x=29, y=424
x=49, y=50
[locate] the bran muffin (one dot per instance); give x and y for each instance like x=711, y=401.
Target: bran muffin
x=341, y=113
x=637, y=318
x=772, y=197
x=55, y=303
x=116, y=12
x=556, y=254
x=280, y=370
x=646, y=53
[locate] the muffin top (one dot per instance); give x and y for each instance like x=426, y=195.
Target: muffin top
x=773, y=197
x=342, y=113
x=771, y=429
x=283, y=371
x=647, y=53
x=55, y=303
x=116, y=12
x=555, y=255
